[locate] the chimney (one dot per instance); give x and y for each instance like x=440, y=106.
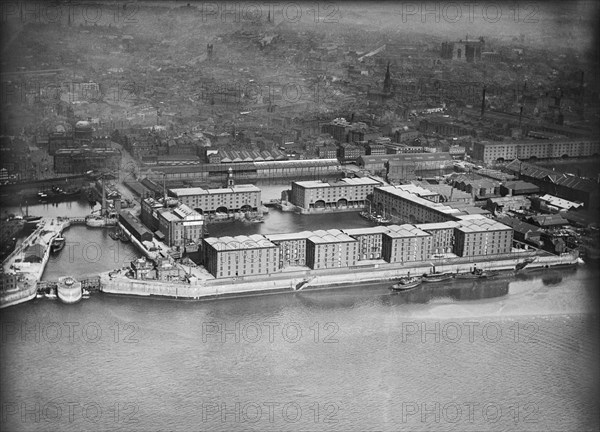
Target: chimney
x=483, y=102
x=164, y=192
x=520, y=115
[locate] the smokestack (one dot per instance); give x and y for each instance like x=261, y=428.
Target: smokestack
x=483, y=102
x=164, y=192
x=520, y=115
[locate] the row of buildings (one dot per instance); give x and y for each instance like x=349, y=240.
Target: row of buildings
x=467, y=236
x=492, y=151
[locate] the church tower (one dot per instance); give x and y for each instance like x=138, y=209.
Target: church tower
x=387, y=82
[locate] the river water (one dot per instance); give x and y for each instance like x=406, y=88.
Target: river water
x=513, y=353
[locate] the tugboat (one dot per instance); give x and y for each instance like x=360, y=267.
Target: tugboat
x=69, y=290
x=476, y=273
x=123, y=237
x=57, y=244
x=436, y=277
x=407, y=283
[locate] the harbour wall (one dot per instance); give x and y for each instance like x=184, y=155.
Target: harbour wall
x=292, y=281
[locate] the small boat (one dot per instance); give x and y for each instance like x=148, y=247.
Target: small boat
x=437, y=277
x=57, y=244
x=476, y=273
x=522, y=265
x=407, y=283
x=366, y=215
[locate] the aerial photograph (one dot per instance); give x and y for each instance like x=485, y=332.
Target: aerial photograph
x=299, y=216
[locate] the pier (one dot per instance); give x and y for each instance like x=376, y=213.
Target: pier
x=25, y=266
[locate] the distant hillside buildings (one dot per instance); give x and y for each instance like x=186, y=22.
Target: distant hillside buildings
x=468, y=50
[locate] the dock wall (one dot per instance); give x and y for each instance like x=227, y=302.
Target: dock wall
x=307, y=278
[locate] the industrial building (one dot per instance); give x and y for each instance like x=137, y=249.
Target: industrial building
x=292, y=247
x=248, y=171
x=346, y=193
x=134, y=226
x=558, y=184
x=370, y=241
x=477, y=235
x=493, y=151
x=181, y=226
x=331, y=249
x=81, y=160
x=468, y=235
x=406, y=207
x=223, y=200
x=240, y=256
x=442, y=236
x=406, y=166
x=403, y=243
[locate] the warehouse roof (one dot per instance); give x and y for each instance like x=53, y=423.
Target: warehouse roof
x=240, y=242
x=478, y=223
x=406, y=230
x=363, y=181
x=179, y=192
x=330, y=236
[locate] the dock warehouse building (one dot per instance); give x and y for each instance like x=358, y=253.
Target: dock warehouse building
x=292, y=247
x=224, y=200
x=370, y=241
x=406, y=243
x=406, y=207
x=330, y=249
x=342, y=194
x=477, y=235
x=135, y=227
x=240, y=256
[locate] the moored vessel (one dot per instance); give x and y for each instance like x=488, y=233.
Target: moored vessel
x=407, y=283
x=476, y=273
x=437, y=277
x=69, y=290
x=57, y=244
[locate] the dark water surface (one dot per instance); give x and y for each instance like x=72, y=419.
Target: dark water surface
x=506, y=354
